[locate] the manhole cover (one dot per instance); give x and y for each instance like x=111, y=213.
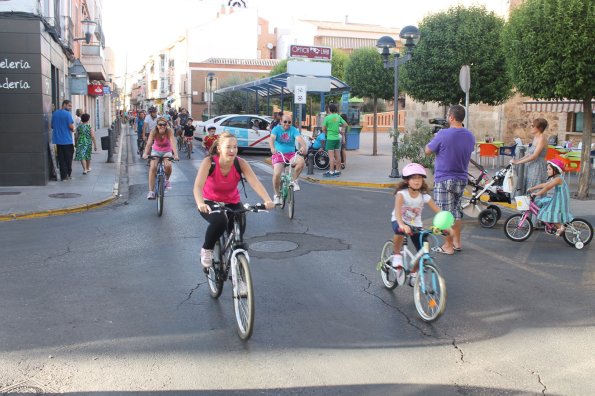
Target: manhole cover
x=28, y=387
x=10, y=192
x=64, y=195
x=274, y=246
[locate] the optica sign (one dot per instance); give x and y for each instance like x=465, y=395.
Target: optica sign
x=310, y=52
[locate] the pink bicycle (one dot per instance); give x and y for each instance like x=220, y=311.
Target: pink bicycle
x=518, y=227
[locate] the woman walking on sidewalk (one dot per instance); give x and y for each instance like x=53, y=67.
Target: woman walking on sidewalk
x=84, y=137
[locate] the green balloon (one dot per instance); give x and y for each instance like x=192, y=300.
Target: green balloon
x=444, y=220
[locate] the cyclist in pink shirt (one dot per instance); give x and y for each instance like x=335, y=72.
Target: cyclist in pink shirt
x=161, y=142
x=217, y=181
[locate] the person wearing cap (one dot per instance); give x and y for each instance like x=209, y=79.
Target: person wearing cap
x=410, y=197
x=150, y=122
x=453, y=147
x=189, y=133
x=554, y=208
x=209, y=140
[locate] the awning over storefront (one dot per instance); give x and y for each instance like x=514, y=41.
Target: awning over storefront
x=561, y=106
x=277, y=85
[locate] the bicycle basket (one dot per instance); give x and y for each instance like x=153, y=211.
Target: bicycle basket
x=522, y=202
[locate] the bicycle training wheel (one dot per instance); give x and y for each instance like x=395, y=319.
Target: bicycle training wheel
x=578, y=233
x=243, y=300
x=160, y=194
x=488, y=218
x=215, y=275
x=429, y=292
x=389, y=277
x=290, y=202
x=515, y=231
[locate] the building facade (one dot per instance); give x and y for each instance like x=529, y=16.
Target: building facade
x=40, y=42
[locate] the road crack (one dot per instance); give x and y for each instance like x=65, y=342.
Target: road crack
x=189, y=296
x=399, y=310
x=535, y=373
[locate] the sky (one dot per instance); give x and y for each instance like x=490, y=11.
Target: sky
x=136, y=28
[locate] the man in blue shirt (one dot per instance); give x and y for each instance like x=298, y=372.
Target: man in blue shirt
x=62, y=128
x=282, y=143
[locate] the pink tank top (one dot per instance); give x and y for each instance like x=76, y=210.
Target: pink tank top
x=221, y=188
x=163, y=146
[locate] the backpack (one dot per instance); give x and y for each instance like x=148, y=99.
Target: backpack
x=236, y=164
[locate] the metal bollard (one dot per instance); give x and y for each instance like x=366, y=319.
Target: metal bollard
x=310, y=163
x=110, y=149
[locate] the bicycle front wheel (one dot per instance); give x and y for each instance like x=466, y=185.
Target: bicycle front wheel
x=429, y=292
x=290, y=202
x=160, y=194
x=516, y=231
x=283, y=191
x=243, y=298
x=215, y=276
x=389, y=277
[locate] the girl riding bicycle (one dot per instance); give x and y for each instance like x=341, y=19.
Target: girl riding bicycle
x=555, y=208
x=410, y=196
x=220, y=184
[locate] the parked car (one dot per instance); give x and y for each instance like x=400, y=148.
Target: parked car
x=201, y=126
x=250, y=130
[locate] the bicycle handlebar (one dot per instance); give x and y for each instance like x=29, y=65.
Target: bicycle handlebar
x=157, y=157
x=258, y=207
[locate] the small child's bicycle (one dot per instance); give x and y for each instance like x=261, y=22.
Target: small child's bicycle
x=518, y=227
x=429, y=287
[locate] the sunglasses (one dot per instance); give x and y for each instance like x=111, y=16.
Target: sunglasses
x=287, y=122
x=160, y=124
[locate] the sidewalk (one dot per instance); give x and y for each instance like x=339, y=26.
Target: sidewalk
x=100, y=187
x=82, y=192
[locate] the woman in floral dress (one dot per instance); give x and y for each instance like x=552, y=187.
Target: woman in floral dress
x=535, y=168
x=84, y=137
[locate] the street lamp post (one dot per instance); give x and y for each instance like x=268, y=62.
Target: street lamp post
x=210, y=77
x=410, y=36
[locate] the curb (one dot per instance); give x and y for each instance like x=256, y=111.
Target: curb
x=348, y=183
x=76, y=208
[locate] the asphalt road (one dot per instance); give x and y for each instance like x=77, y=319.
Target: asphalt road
x=113, y=301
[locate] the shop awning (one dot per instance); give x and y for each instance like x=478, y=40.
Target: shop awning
x=559, y=106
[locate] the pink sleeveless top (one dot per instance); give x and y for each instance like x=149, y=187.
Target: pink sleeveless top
x=221, y=188
x=163, y=146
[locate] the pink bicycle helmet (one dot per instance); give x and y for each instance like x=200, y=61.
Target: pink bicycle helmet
x=414, y=169
x=557, y=163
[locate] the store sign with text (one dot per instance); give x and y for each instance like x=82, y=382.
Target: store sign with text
x=310, y=52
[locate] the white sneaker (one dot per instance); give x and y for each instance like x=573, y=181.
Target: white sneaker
x=296, y=186
x=206, y=258
x=397, y=264
x=151, y=195
x=277, y=200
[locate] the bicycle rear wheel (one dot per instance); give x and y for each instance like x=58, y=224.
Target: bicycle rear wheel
x=578, y=233
x=215, y=276
x=429, y=292
x=290, y=202
x=243, y=298
x=389, y=277
x=515, y=231
x=160, y=194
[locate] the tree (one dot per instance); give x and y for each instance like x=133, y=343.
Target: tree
x=449, y=40
x=338, y=64
x=234, y=102
x=280, y=68
x=368, y=78
x=548, y=46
